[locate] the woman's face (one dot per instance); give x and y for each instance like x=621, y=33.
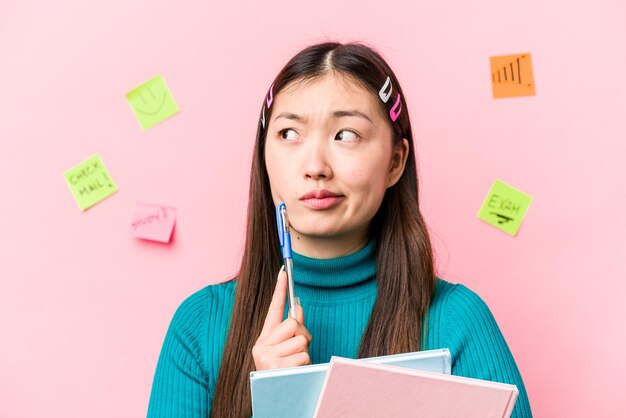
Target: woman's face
x=329, y=156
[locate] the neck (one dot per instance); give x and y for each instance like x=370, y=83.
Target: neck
x=336, y=279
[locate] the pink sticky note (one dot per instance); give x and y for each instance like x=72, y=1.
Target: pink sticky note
x=153, y=222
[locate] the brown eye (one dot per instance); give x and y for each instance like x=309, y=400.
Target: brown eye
x=288, y=134
x=347, y=136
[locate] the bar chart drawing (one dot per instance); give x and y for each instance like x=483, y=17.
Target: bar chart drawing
x=512, y=75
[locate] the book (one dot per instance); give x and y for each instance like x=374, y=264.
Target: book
x=360, y=389
x=294, y=391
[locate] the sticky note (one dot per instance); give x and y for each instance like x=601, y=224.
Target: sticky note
x=153, y=222
x=90, y=182
x=505, y=207
x=512, y=75
x=152, y=102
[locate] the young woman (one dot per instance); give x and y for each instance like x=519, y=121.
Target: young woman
x=335, y=144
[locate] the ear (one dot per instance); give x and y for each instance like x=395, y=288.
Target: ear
x=398, y=162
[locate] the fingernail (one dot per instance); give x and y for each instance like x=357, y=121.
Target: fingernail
x=298, y=300
x=282, y=268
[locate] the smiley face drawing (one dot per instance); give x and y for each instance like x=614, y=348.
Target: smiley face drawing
x=152, y=102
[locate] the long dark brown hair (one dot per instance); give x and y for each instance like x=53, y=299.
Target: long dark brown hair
x=405, y=272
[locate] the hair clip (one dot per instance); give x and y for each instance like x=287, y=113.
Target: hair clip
x=268, y=101
x=263, y=118
x=270, y=97
x=394, y=115
x=384, y=96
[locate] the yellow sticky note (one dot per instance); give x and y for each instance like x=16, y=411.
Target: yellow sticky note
x=512, y=75
x=152, y=102
x=505, y=207
x=90, y=182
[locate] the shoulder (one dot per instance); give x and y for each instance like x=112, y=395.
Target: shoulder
x=213, y=294
x=457, y=298
x=466, y=326
x=197, y=307
x=459, y=313
x=200, y=324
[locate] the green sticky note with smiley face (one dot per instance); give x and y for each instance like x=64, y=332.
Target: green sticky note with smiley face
x=152, y=102
x=90, y=182
x=505, y=207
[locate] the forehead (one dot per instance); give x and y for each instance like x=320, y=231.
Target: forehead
x=329, y=92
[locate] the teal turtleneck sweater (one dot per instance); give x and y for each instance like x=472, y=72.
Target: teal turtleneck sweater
x=337, y=296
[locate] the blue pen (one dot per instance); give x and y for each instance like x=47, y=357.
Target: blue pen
x=285, y=244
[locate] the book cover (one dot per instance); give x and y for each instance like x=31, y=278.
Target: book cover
x=359, y=389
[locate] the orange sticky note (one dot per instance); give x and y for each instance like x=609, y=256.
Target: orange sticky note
x=512, y=76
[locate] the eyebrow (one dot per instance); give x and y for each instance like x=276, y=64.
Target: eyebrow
x=351, y=113
x=336, y=114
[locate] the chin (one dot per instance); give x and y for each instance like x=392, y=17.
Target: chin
x=318, y=233
x=321, y=232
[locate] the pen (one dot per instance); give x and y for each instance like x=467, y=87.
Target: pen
x=285, y=244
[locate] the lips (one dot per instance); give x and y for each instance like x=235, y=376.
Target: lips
x=318, y=194
x=321, y=199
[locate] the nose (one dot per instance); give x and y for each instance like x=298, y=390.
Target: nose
x=317, y=161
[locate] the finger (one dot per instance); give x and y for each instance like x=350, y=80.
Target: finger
x=276, y=311
x=287, y=329
x=299, y=311
x=300, y=316
x=283, y=331
x=297, y=344
x=295, y=360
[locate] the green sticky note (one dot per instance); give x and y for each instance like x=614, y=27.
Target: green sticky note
x=152, y=102
x=90, y=182
x=505, y=207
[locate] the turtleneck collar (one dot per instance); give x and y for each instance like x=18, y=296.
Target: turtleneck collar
x=336, y=279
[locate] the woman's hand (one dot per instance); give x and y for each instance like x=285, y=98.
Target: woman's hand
x=282, y=343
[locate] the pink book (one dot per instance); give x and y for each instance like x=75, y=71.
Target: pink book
x=357, y=389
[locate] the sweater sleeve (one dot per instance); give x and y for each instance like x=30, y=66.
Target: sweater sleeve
x=181, y=383
x=478, y=347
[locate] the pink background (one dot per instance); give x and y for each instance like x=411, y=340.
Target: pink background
x=84, y=306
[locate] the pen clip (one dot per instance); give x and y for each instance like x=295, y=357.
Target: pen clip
x=280, y=224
